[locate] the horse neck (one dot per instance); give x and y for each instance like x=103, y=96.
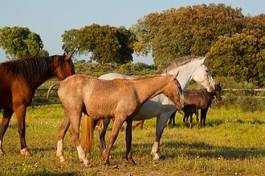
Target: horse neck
x=208, y=96
x=211, y=95
x=34, y=71
x=150, y=87
x=185, y=73
x=40, y=80
x=40, y=77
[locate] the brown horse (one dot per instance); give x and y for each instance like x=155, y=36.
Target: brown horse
x=18, y=82
x=198, y=100
x=117, y=98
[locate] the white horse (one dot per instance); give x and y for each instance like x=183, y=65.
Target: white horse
x=160, y=106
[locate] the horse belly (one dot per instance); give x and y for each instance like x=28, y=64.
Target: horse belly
x=148, y=110
x=99, y=109
x=13, y=93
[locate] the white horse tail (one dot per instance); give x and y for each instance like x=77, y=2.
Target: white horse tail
x=87, y=137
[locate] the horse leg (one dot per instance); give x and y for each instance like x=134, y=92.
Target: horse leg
x=173, y=116
x=186, y=117
x=75, y=118
x=191, y=119
x=128, y=138
x=204, y=113
x=62, y=131
x=20, y=116
x=102, y=134
x=5, y=121
x=201, y=120
x=197, y=116
x=114, y=133
x=160, y=125
x=170, y=121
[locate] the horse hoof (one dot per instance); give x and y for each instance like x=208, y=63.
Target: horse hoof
x=106, y=162
x=162, y=157
x=131, y=161
x=2, y=152
x=157, y=157
x=85, y=161
x=61, y=159
x=24, y=152
x=81, y=160
x=103, y=155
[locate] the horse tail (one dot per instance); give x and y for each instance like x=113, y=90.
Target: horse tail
x=87, y=137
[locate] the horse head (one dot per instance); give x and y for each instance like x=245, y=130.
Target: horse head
x=202, y=76
x=218, y=91
x=63, y=65
x=191, y=68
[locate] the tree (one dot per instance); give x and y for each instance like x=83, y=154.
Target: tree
x=106, y=44
x=184, y=31
x=241, y=56
x=21, y=42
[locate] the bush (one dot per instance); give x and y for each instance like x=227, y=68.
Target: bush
x=136, y=69
x=250, y=104
x=128, y=69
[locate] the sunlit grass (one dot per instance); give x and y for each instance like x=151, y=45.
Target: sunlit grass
x=232, y=143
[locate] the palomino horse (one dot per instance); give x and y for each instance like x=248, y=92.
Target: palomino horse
x=188, y=68
x=18, y=81
x=118, y=98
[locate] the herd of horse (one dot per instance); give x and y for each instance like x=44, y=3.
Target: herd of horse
x=111, y=96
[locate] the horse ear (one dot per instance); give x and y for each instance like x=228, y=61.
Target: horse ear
x=69, y=55
x=203, y=59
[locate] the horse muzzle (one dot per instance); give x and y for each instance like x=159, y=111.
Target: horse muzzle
x=180, y=104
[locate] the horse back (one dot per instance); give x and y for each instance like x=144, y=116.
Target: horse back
x=108, y=98
x=100, y=97
x=197, y=98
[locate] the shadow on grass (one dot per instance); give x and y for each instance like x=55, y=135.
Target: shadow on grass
x=217, y=122
x=12, y=125
x=201, y=149
x=43, y=149
x=48, y=173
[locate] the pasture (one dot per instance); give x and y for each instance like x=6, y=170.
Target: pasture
x=232, y=143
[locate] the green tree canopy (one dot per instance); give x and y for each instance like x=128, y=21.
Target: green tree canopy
x=106, y=44
x=184, y=31
x=21, y=42
x=241, y=56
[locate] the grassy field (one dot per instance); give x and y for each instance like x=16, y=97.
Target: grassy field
x=231, y=144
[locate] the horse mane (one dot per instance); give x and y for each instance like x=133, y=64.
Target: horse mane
x=146, y=77
x=30, y=68
x=179, y=62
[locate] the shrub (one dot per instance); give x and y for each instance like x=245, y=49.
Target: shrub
x=250, y=104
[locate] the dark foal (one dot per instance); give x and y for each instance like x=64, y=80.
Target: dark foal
x=195, y=100
x=189, y=110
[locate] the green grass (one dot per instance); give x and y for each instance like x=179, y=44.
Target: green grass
x=232, y=143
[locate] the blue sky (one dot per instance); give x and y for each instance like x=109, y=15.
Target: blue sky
x=50, y=18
